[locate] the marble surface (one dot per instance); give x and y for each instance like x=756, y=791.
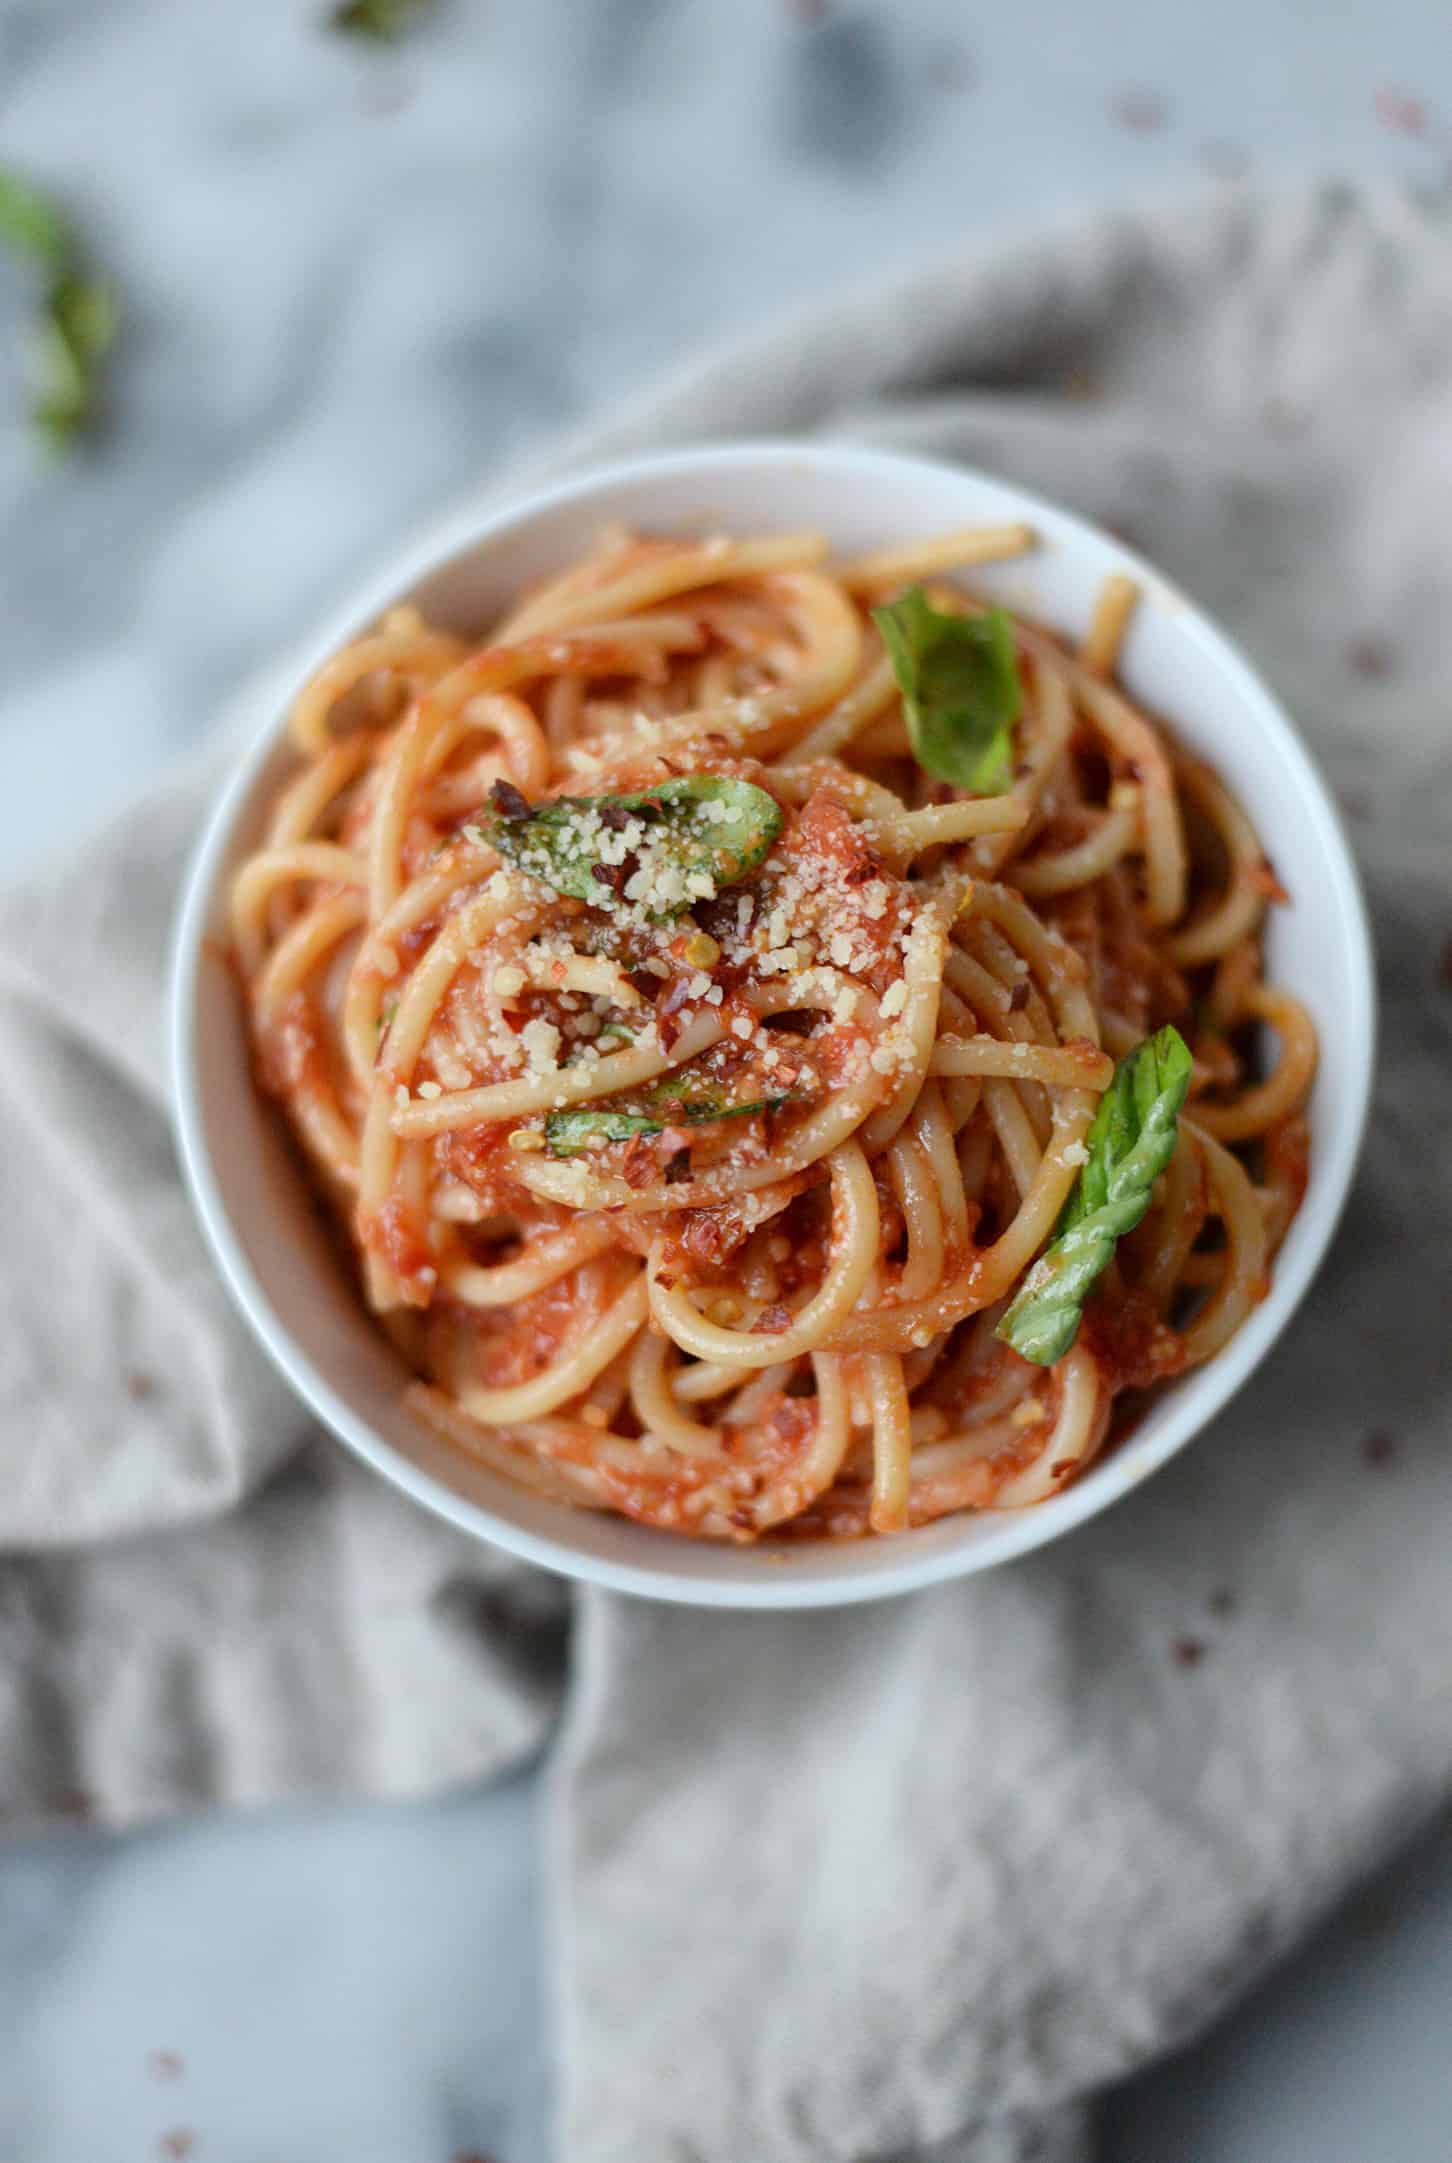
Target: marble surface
x=353, y=282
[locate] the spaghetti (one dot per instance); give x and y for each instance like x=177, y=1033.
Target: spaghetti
x=697, y=1076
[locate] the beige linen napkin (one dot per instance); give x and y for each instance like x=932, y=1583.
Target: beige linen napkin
x=913, y=1879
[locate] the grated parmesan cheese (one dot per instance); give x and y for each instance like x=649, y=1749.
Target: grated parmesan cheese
x=541, y=1041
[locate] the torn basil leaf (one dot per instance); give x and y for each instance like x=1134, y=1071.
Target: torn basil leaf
x=958, y=676
x=1130, y=1143
x=654, y=852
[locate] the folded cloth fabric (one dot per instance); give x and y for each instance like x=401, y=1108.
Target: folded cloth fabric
x=911, y=1880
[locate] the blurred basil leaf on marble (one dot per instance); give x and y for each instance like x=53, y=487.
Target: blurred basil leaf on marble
x=31, y=225
x=75, y=325
x=384, y=21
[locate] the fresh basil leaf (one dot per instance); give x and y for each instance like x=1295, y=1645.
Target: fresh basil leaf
x=654, y=852
x=85, y=315
x=385, y=21
x=568, y=1133
x=1129, y=1144
x=958, y=676
x=77, y=321
x=31, y=225
x=687, y=1096
x=74, y=336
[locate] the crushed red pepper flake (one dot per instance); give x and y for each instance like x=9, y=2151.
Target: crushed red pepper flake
x=1141, y=111
x=508, y=801
x=637, y=1165
x=1379, y=1447
x=953, y=68
x=1399, y=111
x=380, y=98
x=1188, y=1651
x=1284, y=418
x=140, y=1385
x=668, y=1008
x=1085, y=384
x=723, y=915
x=1018, y=996
x=177, y=2144
x=1370, y=656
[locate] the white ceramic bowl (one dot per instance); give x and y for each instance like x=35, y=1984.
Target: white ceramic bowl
x=252, y=1200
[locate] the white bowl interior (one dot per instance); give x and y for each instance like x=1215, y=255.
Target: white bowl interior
x=255, y=1204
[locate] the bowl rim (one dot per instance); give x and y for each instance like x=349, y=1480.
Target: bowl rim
x=1201, y=1395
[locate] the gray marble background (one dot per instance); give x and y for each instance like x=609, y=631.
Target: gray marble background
x=352, y=283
